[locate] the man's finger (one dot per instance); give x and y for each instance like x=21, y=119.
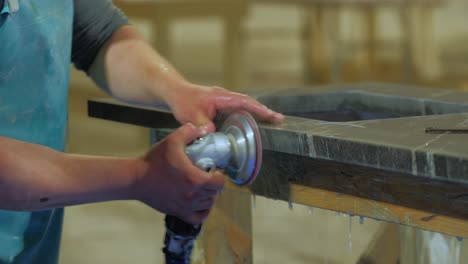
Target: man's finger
x=196, y=218
x=215, y=181
x=204, y=122
x=204, y=204
x=238, y=101
x=189, y=132
x=205, y=194
x=186, y=133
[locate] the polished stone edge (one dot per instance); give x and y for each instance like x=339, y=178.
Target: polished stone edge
x=409, y=161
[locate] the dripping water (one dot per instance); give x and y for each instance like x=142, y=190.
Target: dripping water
x=254, y=201
x=350, y=241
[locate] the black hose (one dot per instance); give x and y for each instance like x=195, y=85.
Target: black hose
x=179, y=239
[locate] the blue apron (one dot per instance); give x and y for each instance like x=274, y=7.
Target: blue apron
x=35, y=48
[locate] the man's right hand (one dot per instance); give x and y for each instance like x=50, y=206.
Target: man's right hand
x=170, y=183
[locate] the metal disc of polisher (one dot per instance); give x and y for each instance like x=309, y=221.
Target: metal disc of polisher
x=245, y=146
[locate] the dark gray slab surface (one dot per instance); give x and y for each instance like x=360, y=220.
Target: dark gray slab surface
x=397, y=144
x=380, y=151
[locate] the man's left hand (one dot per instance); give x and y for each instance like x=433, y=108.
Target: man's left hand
x=199, y=104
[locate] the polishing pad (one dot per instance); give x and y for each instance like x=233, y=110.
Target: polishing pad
x=245, y=147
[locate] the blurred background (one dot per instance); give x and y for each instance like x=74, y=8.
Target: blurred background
x=248, y=45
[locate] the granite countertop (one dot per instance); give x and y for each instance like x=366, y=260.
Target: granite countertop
x=398, y=142
x=364, y=139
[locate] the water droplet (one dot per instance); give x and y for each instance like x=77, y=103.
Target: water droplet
x=460, y=239
x=361, y=219
x=290, y=205
x=254, y=201
x=310, y=210
x=350, y=239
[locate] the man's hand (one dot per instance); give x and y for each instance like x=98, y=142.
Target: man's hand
x=199, y=104
x=131, y=70
x=171, y=184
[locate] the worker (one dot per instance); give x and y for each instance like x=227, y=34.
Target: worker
x=38, y=40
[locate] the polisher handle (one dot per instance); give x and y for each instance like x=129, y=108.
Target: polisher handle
x=197, y=152
x=178, y=241
x=180, y=236
x=210, y=152
x=207, y=153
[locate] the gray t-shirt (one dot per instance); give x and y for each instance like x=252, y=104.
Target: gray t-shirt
x=94, y=22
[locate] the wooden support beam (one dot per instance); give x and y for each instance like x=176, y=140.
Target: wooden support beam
x=384, y=247
x=381, y=211
x=227, y=235
x=373, y=209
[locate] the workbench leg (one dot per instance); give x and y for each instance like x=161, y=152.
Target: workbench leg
x=233, y=53
x=384, y=248
x=227, y=235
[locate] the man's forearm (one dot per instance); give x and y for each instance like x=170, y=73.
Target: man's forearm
x=34, y=177
x=131, y=70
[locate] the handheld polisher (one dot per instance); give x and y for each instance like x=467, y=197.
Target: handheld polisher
x=237, y=150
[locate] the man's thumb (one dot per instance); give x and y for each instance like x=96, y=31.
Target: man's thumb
x=189, y=132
